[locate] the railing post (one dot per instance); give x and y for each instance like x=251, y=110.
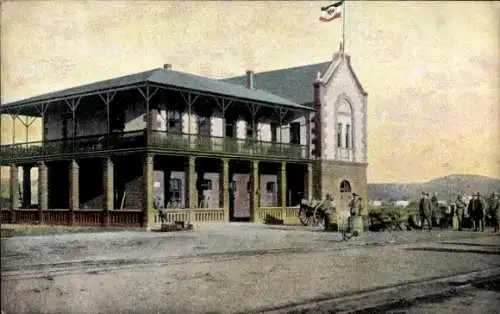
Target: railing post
x=192, y=215
x=42, y=191
x=14, y=192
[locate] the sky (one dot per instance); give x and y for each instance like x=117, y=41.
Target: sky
x=431, y=69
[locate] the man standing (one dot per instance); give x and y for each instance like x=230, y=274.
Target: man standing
x=157, y=203
x=460, y=206
x=435, y=208
x=425, y=209
x=354, y=205
x=494, y=211
x=476, y=210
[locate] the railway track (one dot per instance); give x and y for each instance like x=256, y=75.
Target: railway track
x=382, y=299
x=48, y=270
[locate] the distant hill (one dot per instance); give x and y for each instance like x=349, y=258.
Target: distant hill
x=445, y=187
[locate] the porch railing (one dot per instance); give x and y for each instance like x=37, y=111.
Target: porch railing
x=157, y=140
x=289, y=215
x=87, y=217
x=193, y=215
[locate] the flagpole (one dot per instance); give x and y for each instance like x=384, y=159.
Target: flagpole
x=344, y=10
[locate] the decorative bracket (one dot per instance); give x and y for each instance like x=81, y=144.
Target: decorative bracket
x=223, y=106
x=189, y=101
x=148, y=95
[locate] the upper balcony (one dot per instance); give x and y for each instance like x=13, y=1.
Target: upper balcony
x=121, y=115
x=156, y=141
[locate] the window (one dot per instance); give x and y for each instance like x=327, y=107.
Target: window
x=175, y=190
x=271, y=187
x=249, y=131
x=339, y=135
x=347, y=136
x=230, y=130
x=345, y=187
x=274, y=132
x=204, y=126
x=295, y=133
x=174, y=122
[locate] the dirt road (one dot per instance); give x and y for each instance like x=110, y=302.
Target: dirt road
x=241, y=282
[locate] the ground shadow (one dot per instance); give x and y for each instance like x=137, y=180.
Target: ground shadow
x=472, y=244
x=492, y=284
x=448, y=250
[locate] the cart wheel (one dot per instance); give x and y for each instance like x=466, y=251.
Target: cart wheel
x=304, y=220
x=318, y=218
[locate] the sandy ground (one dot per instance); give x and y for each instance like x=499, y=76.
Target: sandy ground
x=208, y=239
x=241, y=284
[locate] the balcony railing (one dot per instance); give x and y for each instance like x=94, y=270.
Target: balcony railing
x=157, y=140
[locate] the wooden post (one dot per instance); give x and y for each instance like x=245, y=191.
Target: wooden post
x=190, y=171
x=224, y=188
x=74, y=190
x=42, y=191
x=147, y=202
x=282, y=185
x=254, y=190
x=108, y=184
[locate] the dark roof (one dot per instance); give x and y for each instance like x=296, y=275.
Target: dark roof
x=294, y=83
x=165, y=77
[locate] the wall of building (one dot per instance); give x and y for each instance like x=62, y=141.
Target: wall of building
x=339, y=93
x=135, y=118
x=334, y=172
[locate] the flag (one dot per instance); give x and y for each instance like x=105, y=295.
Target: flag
x=331, y=12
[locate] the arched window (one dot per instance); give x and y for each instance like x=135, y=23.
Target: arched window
x=345, y=130
x=345, y=187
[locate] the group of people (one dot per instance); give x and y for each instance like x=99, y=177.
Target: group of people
x=477, y=210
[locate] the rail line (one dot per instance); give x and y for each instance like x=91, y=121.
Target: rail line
x=380, y=299
x=19, y=272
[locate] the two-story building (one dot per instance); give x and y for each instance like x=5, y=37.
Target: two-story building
x=207, y=149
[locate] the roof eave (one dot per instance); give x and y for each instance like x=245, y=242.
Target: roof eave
x=27, y=102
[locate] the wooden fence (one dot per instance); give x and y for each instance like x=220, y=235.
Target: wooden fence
x=133, y=218
x=87, y=217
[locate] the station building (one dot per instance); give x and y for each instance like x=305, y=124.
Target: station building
x=210, y=150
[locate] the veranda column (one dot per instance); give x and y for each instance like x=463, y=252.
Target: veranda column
x=108, y=184
x=147, y=201
x=191, y=183
x=282, y=185
x=26, y=186
x=254, y=190
x=224, y=188
x=309, y=184
x=74, y=190
x=14, y=192
x=43, y=193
